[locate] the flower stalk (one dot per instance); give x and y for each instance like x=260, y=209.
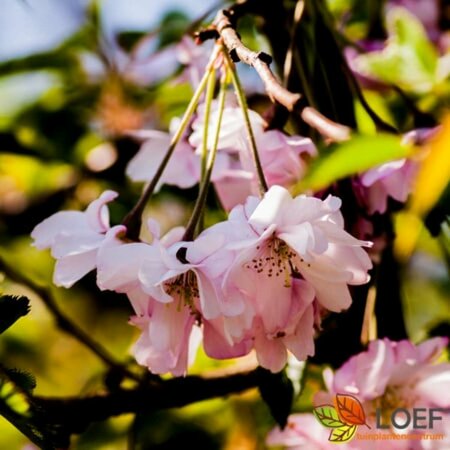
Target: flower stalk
x=134, y=218
x=197, y=213
x=240, y=94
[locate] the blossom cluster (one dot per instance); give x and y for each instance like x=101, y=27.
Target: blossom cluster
x=283, y=157
x=259, y=280
x=387, y=376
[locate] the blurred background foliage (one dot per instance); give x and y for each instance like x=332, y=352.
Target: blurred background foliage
x=74, y=77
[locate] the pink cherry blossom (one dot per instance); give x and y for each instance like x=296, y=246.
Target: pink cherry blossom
x=388, y=375
x=393, y=179
x=74, y=238
x=302, y=432
x=168, y=331
x=194, y=58
x=282, y=156
x=293, y=250
x=233, y=134
x=183, y=169
x=169, y=338
x=171, y=298
x=402, y=366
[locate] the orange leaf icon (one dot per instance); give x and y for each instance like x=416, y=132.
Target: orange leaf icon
x=350, y=410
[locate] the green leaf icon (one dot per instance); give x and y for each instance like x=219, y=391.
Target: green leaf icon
x=328, y=416
x=343, y=434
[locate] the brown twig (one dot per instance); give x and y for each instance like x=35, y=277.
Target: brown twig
x=260, y=61
x=64, y=323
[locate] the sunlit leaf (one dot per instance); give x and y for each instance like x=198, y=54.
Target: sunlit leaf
x=352, y=157
x=434, y=173
x=431, y=181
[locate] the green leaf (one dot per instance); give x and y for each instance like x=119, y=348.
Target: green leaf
x=278, y=393
x=343, y=434
x=409, y=60
x=328, y=416
x=11, y=309
x=352, y=157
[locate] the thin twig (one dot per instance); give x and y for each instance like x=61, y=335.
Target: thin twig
x=65, y=323
x=240, y=94
x=259, y=61
x=225, y=28
x=209, y=165
x=133, y=219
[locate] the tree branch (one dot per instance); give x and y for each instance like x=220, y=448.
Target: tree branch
x=75, y=413
x=224, y=25
x=65, y=323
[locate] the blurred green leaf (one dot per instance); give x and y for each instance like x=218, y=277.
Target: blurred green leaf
x=409, y=59
x=173, y=27
x=12, y=308
x=352, y=157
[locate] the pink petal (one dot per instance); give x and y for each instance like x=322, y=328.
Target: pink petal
x=269, y=209
x=271, y=353
x=97, y=213
x=62, y=222
x=70, y=269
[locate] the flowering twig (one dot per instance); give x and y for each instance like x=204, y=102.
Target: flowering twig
x=64, y=323
x=224, y=27
x=134, y=218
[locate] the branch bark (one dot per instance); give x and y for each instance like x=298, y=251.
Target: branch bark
x=75, y=413
x=224, y=25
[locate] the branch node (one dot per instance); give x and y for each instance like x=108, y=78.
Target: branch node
x=265, y=58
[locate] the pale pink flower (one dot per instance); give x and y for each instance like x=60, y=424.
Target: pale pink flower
x=183, y=169
x=281, y=156
x=233, y=134
x=293, y=250
x=169, y=338
x=302, y=432
x=168, y=334
x=74, y=238
x=119, y=262
x=171, y=298
x=408, y=371
x=388, y=375
x=393, y=179
x=194, y=57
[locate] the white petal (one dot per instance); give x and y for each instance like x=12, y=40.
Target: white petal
x=62, y=222
x=269, y=210
x=97, y=213
x=70, y=269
